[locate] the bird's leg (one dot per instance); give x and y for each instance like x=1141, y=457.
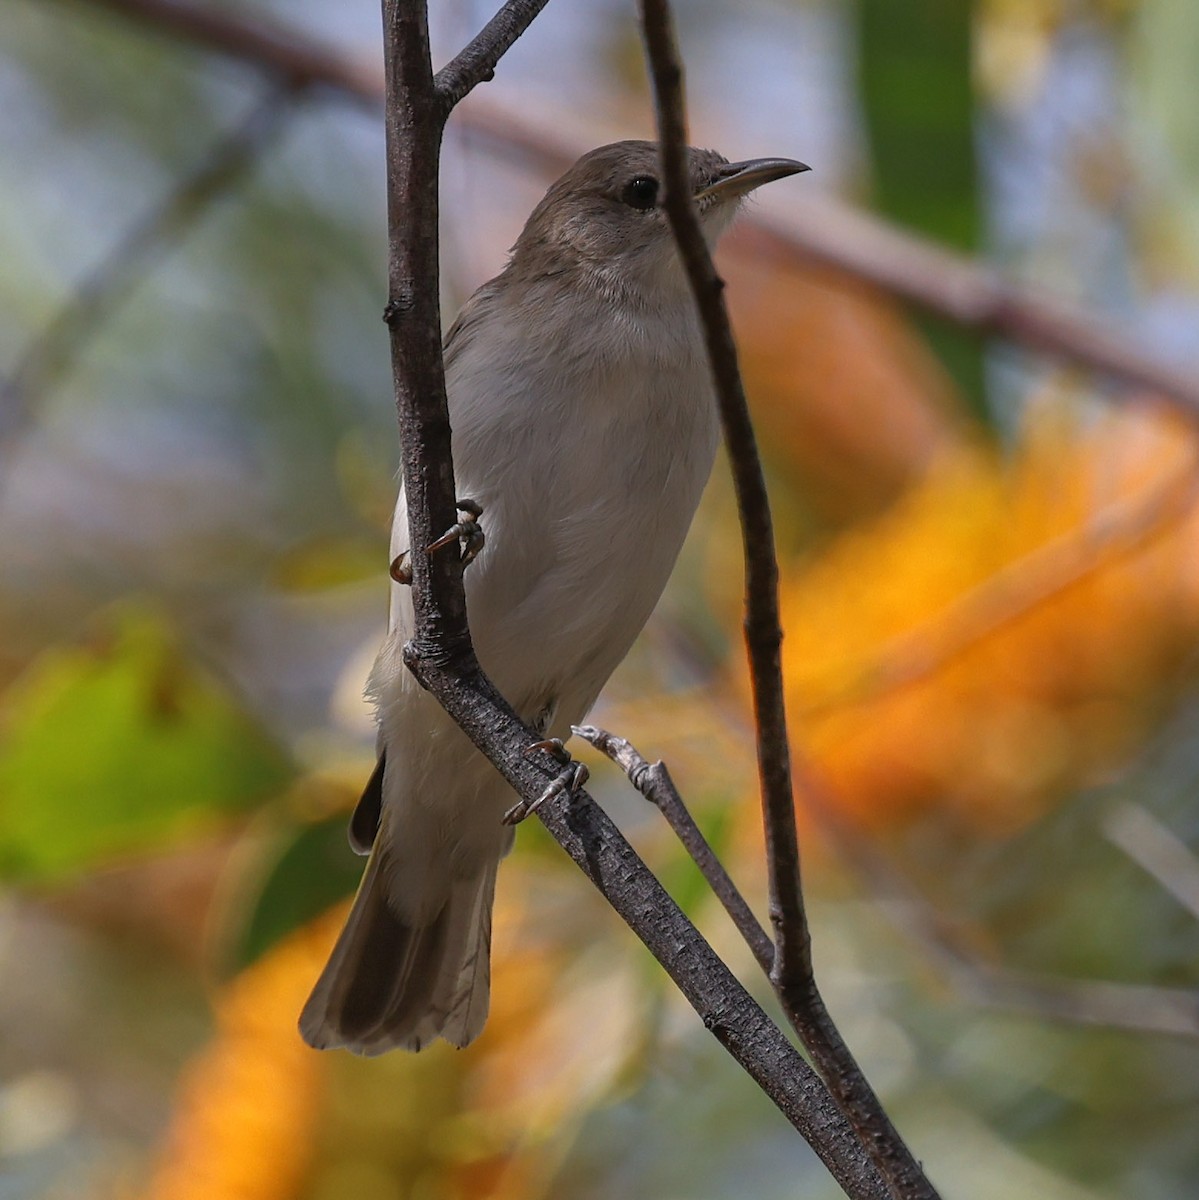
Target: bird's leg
x=572, y=777
x=467, y=530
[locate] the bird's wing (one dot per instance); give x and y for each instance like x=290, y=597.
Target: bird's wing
x=469, y=316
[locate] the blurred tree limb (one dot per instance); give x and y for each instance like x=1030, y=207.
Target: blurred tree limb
x=1158, y=851
x=440, y=652
x=813, y=229
x=61, y=341
x=1016, y=590
x=957, y=958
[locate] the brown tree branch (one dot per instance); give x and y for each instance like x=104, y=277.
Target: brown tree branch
x=1137, y=1008
x=791, y=971
x=295, y=57
x=813, y=229
x=61, y=341
x=763, y=628
x=477, y=62
x=584, y=831
x=441, y=656
x=414, y=119
x=653, y=781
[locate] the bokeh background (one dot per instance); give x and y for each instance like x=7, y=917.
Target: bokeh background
x=989, y=582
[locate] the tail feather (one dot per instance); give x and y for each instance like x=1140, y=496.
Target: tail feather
x=393, y=983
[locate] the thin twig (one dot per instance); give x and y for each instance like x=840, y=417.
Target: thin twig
x=812, y=229
x=1157, y=850
x=791, y=971
x=442, y=658
x=653, y=781
x=955, y=955
x=1138, y=1008
x=763, y=628
x=62, y=340
x=477, y=62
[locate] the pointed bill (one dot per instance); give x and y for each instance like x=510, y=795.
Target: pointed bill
x=735, y=179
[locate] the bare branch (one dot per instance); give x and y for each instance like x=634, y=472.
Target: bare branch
x=1169, y=1012
x=477, y=62
x=583, y=830
x=299, y=59
x=969, y=293
x=954, y=954
x=653, y=781
x=1157, y=850
x=62, y=340
x=791, y=971
x=763, y=629
x=414, y=118
x=813, y=229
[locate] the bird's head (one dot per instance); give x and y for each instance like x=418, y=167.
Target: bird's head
x=605, y=215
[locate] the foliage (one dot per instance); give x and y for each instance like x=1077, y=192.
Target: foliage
x=120, y=747
x=988, y=641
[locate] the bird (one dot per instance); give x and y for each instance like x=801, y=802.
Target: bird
x=584, y=431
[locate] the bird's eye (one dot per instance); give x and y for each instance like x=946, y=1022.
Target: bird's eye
x=641, y=193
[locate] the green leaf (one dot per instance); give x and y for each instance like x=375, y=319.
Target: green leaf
x=121, y=747
x=306, y=871
x=918, y=103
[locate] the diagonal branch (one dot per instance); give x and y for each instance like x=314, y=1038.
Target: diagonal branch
x=61, y=341
x=936, y=280
x=598, y=848
x=1019, y=588
x=1138, y=1008
x=297, y=58
x=477, y=62
x=791, y=972
x=653, y=781
x=1157, y=850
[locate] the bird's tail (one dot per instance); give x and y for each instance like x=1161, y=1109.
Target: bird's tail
x=392, y=981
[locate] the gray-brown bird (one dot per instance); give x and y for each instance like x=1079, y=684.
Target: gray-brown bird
x=585, y=427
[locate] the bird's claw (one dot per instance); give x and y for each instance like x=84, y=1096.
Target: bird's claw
x=467, y=530
x=572, y=777
x=401, y=569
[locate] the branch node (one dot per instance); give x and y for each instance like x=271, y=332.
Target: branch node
x=398, y=306
x=426, y=656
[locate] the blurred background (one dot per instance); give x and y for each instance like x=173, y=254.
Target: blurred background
x=989, y=583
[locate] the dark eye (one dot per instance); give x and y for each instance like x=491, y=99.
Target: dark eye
x=641, y=193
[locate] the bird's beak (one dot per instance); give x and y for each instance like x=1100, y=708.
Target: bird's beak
x=735, y=179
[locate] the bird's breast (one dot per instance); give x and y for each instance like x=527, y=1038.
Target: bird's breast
x=588, y=444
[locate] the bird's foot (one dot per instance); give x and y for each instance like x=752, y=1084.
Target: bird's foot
x=572, y=777
x=401, y=569
x=467, y=530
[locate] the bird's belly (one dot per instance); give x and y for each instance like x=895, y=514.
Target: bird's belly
x=579, y=554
